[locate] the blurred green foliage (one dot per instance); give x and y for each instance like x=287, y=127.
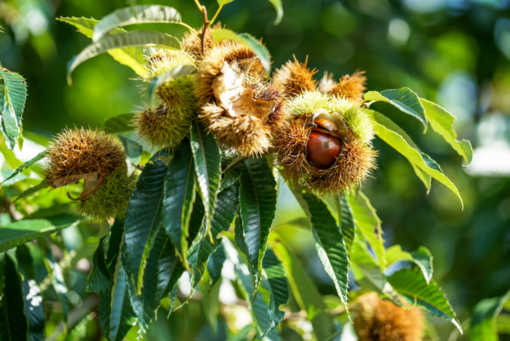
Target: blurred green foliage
x=453, y=52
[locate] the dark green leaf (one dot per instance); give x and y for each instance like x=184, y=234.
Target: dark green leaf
x=26, y=165
x=179, y=195
x=119, y=124
x=413, y=287
x=244, y=38
x=347, y=224
x=135, y=15
x=133, y=149
x=143, y=217
x=215, y=264
x=114, y=244
x=231, y=175
x=330, y=245
x=178, y=71
x=13, y=322
x=257, y=202
x=304, y=290
x=442, y=122
x=211, y=302
x=98, y=279
x=206, y=154
x=277, y=285
x=122, y=40
x=405, y=99
x=203, y=250
x=23, y=231
x=279, y=10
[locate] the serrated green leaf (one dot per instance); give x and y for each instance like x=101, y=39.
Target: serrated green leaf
x=123, y=40
x=278, y=287
x=114, y=244
x=421, y=257
x=231, y=175
x=442, y=122
x=32, y=297
x=413, y=287
x=26, y=165
x=99, y=278
x=330, y=245
x=215, y=264
x=177, y=72
x=244, y=38
x=23, y=231
x=206, y=155
x=140, y=14
x=32, y=190
x=179, y=195
x=304, y=290
x=421, y=160
x=203, y=250
x=404, y=99
x=132, y=149
x=13, y=322
x=144, y=218
x=279, y=10
x=119, y=124
x=15, y=95
x=257, y=203
x=129, y=56
x=347, y=225
x=483, y=322
x=369, y=225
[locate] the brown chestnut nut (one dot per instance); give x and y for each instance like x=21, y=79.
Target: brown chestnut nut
x=327, y=124
x=322, y=150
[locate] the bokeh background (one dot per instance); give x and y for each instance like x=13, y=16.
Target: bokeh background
x=453, y=52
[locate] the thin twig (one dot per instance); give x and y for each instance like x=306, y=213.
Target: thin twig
x=204, y=31
x=198, y=5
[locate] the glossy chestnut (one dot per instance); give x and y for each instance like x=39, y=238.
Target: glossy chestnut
x=322, y=150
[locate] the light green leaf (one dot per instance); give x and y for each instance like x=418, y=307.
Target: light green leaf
x=304, y=290
x=203, y=250
x=224, y=2
x=369, y=225
x=404, y=99
x=143, y=217
x=129, y=56
x=347, y=223
x=442, y=122
x=206, y=155
x=14, y=96
x=119, y=124
x=413, y=287
x=244, y=38
x=421, y=160
x=132, y=148
x=122, y=40
x=32, y=190
x=211, y=302
x=98, y=279
x=279, y=10
x=178, y=71
x=483, y=323
x=257, y=202
x=141, y=14
x=421, y=257
x=23, y=231
x=278, y=286
x=330, y=245
x=179, y=195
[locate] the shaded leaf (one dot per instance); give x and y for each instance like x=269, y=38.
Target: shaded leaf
x=442, y=122
x=231, y=175
x=405, y=99
x=244, y=38
x=206, y=155
x=119, y=124
x=421, y=257
x=114, y=244
x=215, y=264
x=143, y=217
x=413, y=287
x=98, y=279
x=257, y=203
x=132, y=148
x=179, y=195
x=23, y=231
x=26, y=165
x=211, y=302
x=382, y=128
x=122, y=40
x=483, y=323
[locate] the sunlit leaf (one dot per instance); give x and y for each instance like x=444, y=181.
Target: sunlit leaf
x=405, y=99
x=179, y=195
x=413, y=287
x=141, y=14
x=206, y=155
x=244, y=38
x=382, y=128
x=257, y=202
x=279, y=10
x=13, y=322
x=347, y=224
x=143, y=217
x=15, y=95
x=421, y=257
x=119, y=124
x=224, y=2
x=26, y=165
x=32, y=190
x=23, y=231
x=483, y=322
x=442, y=122
x=122, y=40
